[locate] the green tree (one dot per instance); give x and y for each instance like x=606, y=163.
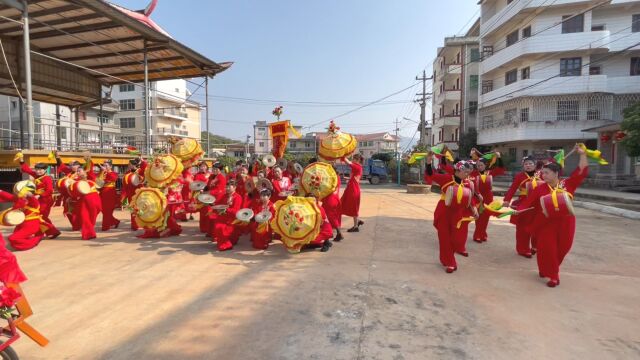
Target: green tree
x=631, y=126
x=386, y=157
x=468, y=141
x=214, y=140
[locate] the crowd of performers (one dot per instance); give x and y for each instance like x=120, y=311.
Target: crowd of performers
x=543, y=214
x=86, y=189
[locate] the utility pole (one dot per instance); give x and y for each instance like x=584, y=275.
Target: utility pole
x=423, y=115
x=398, y=156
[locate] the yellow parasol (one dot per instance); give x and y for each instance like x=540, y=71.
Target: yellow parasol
x=162, y=170
x=148, y=205
x=337, y=144
x=187, y=150
x=298, y=221
x=319, y=179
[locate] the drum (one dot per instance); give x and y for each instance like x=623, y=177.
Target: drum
x=79, y=188
x=558, y=204
x=530, y=187
x=458, y=196
x=197, y=185
x=11, y=217
x=206, y=198
x=24, y=186
x=132, y=178
x=269, y=160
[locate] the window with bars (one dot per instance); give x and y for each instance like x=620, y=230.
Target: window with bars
x=572, y=24
x=487, y=86
x=635, y=23
x=635, y=66
x=487, y=51
x=571, y=66
x=595, y=70
x=525, y=73
x=593, y=114
x=127, y=88
x=128, y=104
x=473, y=107
x=127, y=123
x=487, y=122
x=524, y=115
x=510, y=116
x=510, y=77
x=103, y=119
x=526, y=32
x=512, y=38
x=568, y=110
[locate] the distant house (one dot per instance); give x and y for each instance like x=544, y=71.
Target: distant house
x=369, y=144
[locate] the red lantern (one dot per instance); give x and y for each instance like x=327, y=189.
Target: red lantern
x=604, y=138
x=620, y=135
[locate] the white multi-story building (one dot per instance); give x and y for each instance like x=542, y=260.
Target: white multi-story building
x=262, y=141
x=551, y=70
x=173, y=114
x=455, y=88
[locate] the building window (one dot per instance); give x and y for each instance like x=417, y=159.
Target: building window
x=571, y=67
x=525, y=73
x=525, y=153
x=473, y=107
x=475, y=55
x=103, y=119
x=307, y=145
x=487, y=86
x=127, y=87
x=127, y=123
x=128, y=104
x=593, y=114
x=510, y=77
x=568, y=110
x=597, y=27
x=512, y=153
x=635, y=66
x=510, y=116
x=487, y=122
x=63, y=134
x=14, y=105
x=572, y=24
x=82, y=115
x=524, y=115
x=635, y=23
x=595, y=70
x=473, y=81
x=512, y=38
x=487, y=51
x=526, y=32
x=261, y=144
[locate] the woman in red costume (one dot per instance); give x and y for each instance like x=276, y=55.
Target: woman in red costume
x=203, y=175
x=446, y=218
x=482, y=178
x=323, y=239
x=554, y=235
x=350, y=201
x=187, y=179
x=69, y=204
x=333, y=209
x=525, y=241
x=225, y=232
x=280, y=183
x=89, y=205
x=108, y=195
x=44, y=186
x=129, y=187
x=261, y=234
x=29, y=233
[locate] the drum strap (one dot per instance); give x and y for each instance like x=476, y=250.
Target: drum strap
x=554, y=195
x=445, y=187
x=534, y=183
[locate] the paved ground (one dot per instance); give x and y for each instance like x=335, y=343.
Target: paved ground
x=380, y=294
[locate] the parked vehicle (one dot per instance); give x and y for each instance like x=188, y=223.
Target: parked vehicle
x=373, y=170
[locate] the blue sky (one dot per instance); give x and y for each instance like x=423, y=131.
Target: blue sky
x=337, y=51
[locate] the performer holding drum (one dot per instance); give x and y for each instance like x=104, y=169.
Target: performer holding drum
x=554, y=221
x=44, y=186
x=483, y=182
x=106, y=182
x=523, y=183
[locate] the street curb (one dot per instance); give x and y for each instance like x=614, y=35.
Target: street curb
x=629, y=214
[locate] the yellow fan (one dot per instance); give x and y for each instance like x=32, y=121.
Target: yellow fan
x=337, y=144
x=187, y=150
x=148, y=205
x=162, y=170
x=319, y=179
x=298, y=221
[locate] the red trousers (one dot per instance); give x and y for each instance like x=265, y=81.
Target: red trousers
x=260, y=240
x=28, y=234
x=449, y=237
x=88, y=210
x=70, y=209
x=525, y=240
x=204, y=220
x=226, y=235
x=331, y=206
x=481, y=226
x=46, y=202
x=555, y=238
x=109, y=199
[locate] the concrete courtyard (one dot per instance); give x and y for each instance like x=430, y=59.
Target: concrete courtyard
x=379, y=294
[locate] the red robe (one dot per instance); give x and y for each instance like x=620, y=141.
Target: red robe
x=261, y=235
x=555, y=235
x=44, y=190
x=525, y=241
x=350, y=200
x=332, y=207
x=203, y=220
x=69, y=204
x=279, y=186
x=109, y=199
x=28, y=234
x=484, y=187
x=225, y=233
x=129, y=189
x=175, y=209
x=10, y=272
x=187, y=179
x=326, y=231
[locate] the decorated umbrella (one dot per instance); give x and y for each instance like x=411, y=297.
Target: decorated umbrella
x=337, y=144
x=149, y=206
x=319, y=179
x=298, y=221
x=187, y=150
x=162, y=170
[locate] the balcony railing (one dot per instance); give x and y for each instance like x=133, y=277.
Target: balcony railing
x=166, y=131
x=173, y=113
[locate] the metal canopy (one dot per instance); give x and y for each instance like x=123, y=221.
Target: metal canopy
x=96, y=35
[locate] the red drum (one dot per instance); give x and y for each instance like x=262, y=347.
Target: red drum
x=451, y=196
x=63, y=185
x=79, y=188
x=557, y=204
x=132, y=178
x=483, y=179
x=529, y=185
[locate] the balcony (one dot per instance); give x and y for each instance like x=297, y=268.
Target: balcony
x=623, y=84
x=516, y=11
x=449, y=95
x=172, y=132
x=537, y=131
x=557, y=86
x=447, y=120
x=593, y=41
x=453, y=69
x=177, y=114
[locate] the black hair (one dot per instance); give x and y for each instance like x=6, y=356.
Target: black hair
x=313, y=160
x=265, y=192
x=41, y=166
x=231, y=182
x=553, y=167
